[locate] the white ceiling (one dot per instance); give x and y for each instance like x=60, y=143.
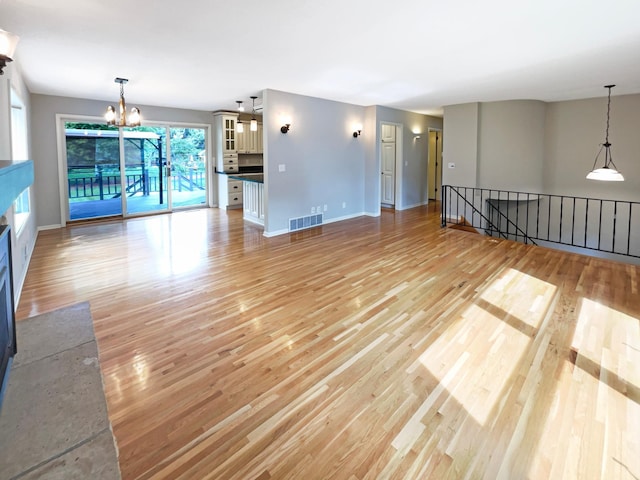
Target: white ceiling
x=416, y=55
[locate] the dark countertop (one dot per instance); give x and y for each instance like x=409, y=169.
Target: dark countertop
x=248, y=177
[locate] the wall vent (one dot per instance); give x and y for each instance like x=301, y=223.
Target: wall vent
x=308, y=221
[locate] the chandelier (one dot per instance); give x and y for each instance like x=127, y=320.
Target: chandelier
x=8, y=42
x=122, y=121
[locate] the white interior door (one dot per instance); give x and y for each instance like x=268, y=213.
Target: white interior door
x=435, y=164
x=388, y=166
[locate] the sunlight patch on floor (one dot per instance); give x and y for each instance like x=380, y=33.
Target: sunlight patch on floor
x=603, y=364
x=493, y=338
x=520, y=295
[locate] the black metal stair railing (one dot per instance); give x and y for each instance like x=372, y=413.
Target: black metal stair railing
x=610, y=226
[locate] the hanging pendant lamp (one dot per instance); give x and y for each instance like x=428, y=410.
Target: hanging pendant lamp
x=608, y=172
x=253, y=126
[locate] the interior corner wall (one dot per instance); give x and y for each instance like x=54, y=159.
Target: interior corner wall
x=415, y=153
x=511, y=145
x=460, y=145
x=318, y=162
x=45, y=149
x=574, y=131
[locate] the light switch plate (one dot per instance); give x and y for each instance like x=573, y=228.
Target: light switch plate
x=282, y=167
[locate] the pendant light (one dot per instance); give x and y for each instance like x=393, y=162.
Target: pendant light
x=111, y=117
x=608, y=172
x=253, y=126
x=239, y=124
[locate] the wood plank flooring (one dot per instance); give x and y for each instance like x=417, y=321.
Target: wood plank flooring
x=371, y=348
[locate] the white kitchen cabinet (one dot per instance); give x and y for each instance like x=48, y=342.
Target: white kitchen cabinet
x=248, y=141
x=228, y=162
x=226, y=154
x=229, y=192
x=229, y=133
x=253, y=209
x=241, y=139
x=259, y=139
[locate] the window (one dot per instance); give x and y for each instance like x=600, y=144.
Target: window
x=19, y=151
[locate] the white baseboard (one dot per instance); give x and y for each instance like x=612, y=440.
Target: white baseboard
x=49, y=227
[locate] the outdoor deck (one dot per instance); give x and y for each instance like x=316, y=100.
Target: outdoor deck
x=135, y=204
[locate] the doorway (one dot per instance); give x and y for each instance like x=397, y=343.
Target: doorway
x=434, y=174
x=132, y=171
x=388, y=160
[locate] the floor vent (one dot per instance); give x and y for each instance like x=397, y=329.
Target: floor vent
x=301, y=223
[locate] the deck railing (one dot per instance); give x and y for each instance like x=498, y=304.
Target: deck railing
x=611, y=226
x=91, y=183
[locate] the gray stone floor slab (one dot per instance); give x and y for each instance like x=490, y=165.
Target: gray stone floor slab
x=92, y=460
x=44, y=335
x=54, y=414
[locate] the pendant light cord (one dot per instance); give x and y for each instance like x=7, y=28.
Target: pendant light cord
x=608, y=110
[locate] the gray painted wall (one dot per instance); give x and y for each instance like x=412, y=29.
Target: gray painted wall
x=324, y=164
x=511, y=145
x=45, y=155
x=460, y=145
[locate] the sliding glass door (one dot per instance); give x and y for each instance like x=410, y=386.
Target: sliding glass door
x=93, y=176
x=188, y=166
x=133, y=171
x=146, y=170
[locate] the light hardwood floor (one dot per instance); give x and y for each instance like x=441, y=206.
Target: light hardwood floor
x=371, y=348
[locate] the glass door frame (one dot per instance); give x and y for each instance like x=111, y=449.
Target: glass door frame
x=62, y=119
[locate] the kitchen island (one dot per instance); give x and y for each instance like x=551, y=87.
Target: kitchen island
x=253, y=196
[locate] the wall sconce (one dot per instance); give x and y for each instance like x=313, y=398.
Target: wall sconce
x=416, y=134
x=8, y=42
x=286, y=123
x=358, y=130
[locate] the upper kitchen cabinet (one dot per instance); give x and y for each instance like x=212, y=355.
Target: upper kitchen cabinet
x=250, y=141
x=229, y=133
x=225, y=148
x=225, y=128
